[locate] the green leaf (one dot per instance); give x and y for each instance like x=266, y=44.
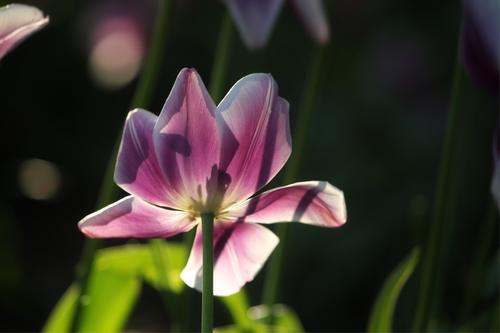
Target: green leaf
x=285, y=321
x=138, y=260
x=115, y=286
x=237, y=306
x=106, y=308
x=383, y=309
x=60, y=317
x=111, y=298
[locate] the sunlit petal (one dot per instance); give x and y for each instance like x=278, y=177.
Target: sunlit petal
x=17, y=22
x=137, y=169
x=313, y=202
x=256, y=140
x=187, y=141
x=132, y=217
x=240, y=251
x=312, y=15
x=254, y=19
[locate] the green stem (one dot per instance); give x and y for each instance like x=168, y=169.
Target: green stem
x=486, y=240
x=155, y=57
x=444, y=202
x=109, y=192
x=215, y=87
x=207, y=301
x=275, y=267
x=222, y=52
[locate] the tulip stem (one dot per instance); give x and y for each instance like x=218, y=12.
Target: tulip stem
x=109, y=192
x=207, y=301
x=275, y=267
x=430, y=271
x=218, y=74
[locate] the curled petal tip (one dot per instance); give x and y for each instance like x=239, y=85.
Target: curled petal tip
x=17, y=22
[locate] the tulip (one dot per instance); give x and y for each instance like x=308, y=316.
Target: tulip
x=196, y=159
x=255, y=19
x=17, y=22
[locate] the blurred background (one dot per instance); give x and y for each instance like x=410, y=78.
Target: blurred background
x=376, y=133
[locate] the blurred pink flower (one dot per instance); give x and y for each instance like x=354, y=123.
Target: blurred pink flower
x=197, y=158
x=116, y=32
x=17, y=22
x=255, y=19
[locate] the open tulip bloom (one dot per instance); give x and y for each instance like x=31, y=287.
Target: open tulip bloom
x=196, y=158
x=17, y=22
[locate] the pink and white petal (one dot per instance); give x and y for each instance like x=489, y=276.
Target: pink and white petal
x=17, y=22
x=313, y=16
x=256, y=139
x=132, y=217
x=254, y=19
x=137, y=169
x=187, y=141
x=314, y=202
x=240, y=251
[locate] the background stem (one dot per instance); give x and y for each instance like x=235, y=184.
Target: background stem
x=275, y=266
x=109, y=192
x=221, y=56
x=207, y=301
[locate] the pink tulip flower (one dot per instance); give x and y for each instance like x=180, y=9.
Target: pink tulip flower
x=255, y=19
x=17, y=22
x=197, y=158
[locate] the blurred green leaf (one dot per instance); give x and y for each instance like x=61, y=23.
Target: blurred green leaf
x=285, y=321
x=115, y=287
x=60, y=318
x=138, y=260
x=111, y=298
x=237, y=306
x=383, y=309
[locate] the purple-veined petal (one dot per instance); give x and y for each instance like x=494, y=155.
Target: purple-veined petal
x=132, y=217
x=313, y=202
x=187, y=140
x=256, y=140
x=254, y=19
x=312, y=15
x=137, y=169
x=17, y=22
x=240, y=251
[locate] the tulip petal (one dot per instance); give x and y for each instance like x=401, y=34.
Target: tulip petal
x=187, y=142
x=137, y=169
x=313, y=202
x=256, y=139
x=240, y=251
x=254, y=19
x=132, y=217
x=312, y=15
x=17, y=22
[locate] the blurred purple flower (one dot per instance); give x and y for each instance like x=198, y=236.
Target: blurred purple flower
x=480, y=42
x=117, y=31
x=255, y=19
x=17, y=22
x=197, y=158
